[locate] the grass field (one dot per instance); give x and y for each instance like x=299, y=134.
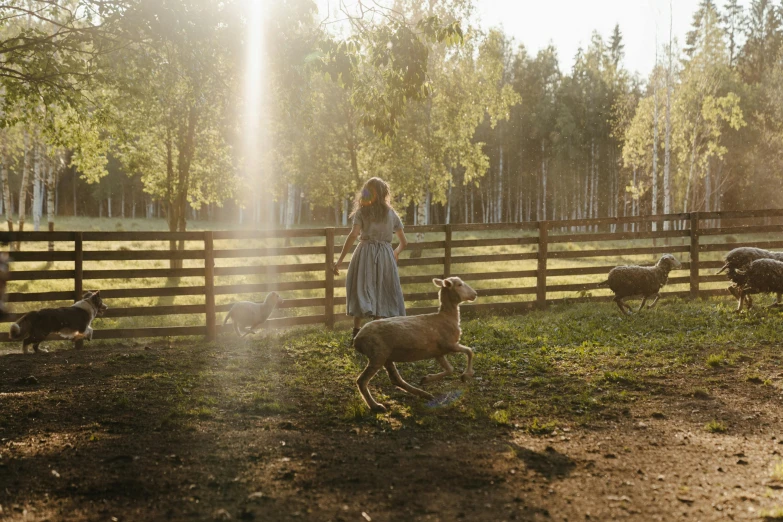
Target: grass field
x=576, y=413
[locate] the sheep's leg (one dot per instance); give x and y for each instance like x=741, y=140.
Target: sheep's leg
x=748, y=298
x=363, y=380
x=657, y=296
x=396, y=379
x=739, y=302
x=644, y=300
x=621, y=305
x=776, y=303
x=468, y=373
x=447, y=367
x=252, y=330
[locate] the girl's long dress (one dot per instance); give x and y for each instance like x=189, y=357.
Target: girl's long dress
x=372, y=285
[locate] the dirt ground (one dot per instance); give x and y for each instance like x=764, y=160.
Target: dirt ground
x=160, y=431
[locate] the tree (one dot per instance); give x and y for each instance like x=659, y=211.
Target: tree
x=171, y=97
x=50, y=50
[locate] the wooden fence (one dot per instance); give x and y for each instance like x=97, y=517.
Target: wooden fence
x=544, y=256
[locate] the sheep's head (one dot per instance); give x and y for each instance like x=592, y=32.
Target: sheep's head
x=668, y=262
x=273, y=299
x=463, y=291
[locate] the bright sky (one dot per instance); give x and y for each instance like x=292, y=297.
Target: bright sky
x=569, y=24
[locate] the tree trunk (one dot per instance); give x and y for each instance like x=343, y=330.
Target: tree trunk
x=707, y=188
x=635, y=200
x=448, y=199
x=108, y=204
x=667, y=149
x=58, y=174
x=9, y=211
x=654, y=203
x=691, y=170
x=50, y=181
x=178, y=196
x=594, y=189
x=74, y=179
x=37, y=175
x=290, y=207
x=122, y=202
x=543, y=180
x=499, y=203
x=26, y=166
x=465, y=216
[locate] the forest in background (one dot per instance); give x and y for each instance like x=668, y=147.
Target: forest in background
x=132, y=108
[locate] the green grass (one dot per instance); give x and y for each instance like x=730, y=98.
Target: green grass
x=772, y=515
x=573, y=364
x=777, y=471
x=715, y=426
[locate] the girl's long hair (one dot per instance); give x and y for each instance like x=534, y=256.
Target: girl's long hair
x=373, y=201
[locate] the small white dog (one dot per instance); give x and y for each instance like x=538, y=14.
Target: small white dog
x=248, y=316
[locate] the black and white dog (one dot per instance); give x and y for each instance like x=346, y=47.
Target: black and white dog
x=71, y=322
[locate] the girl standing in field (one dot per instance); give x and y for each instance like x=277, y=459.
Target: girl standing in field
x=372, y=286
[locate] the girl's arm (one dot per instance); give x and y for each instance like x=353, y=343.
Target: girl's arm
x=402, y=245
x=349, y=241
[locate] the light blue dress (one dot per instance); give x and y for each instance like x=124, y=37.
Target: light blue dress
x=372, y=285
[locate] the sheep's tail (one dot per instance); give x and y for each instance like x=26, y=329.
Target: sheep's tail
x=21, y=328
x=723, y=268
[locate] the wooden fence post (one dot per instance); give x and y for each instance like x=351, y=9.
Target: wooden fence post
x=78, y=273
x=329, y=276
x=447, y=253
x=543, y=236
x=694, y=255
x=209, y=285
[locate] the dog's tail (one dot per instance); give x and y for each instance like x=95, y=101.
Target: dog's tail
x=21, y=328
x=603, y=283
x=722, y=269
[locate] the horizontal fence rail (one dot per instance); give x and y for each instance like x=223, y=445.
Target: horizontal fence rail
x=522, y=266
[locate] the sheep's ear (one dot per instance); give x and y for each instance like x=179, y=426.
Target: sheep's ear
x=448, y=283
x=438, y=282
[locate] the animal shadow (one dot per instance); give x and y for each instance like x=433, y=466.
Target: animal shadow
x=549, y=463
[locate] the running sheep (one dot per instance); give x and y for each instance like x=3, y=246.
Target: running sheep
x=737, y=263
x=645, y=281
x=415, y=338
x=761, y=276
